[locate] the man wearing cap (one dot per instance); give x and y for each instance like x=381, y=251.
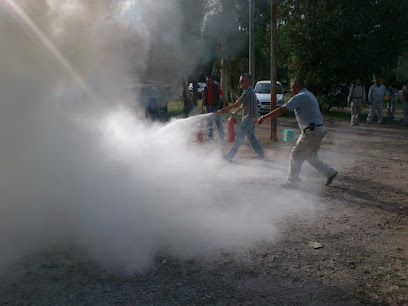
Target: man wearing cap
x=310, y=120
x=376, y=95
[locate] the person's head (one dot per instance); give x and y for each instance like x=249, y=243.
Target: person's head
x=244, y=80
x=378, y=81
x=209, y=80
x=296, y=86
x=358, y=82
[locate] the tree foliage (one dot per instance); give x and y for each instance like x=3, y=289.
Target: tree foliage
x=326, y=42
x=329, y=43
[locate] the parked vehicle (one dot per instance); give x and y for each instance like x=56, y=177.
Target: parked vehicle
x=200, y=88
x=147, y=96
x=263, y=93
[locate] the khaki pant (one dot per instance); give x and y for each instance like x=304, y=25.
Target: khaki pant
x=355, y=110
x=373, y=108
x=306, y=148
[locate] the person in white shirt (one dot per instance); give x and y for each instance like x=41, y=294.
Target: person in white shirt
x=356, y=98
x=376, y=100
x=392, y=104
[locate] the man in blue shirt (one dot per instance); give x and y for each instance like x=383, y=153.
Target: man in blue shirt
x=310, y=120
x=247, y=102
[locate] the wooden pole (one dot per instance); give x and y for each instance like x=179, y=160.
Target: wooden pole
x=274, y=134
x=251, y=40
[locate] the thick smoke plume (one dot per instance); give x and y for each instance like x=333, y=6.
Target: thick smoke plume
x=78, y=165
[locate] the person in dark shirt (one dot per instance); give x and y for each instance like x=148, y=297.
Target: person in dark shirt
x=212, y=99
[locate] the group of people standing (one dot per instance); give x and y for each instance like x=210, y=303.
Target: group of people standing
x=306, y=108
x=376, y=95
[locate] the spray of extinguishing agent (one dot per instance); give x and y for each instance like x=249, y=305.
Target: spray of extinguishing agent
x=232, y=128
x=201, y=126
x=200, y=133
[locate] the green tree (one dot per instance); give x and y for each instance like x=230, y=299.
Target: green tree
x=328, y=43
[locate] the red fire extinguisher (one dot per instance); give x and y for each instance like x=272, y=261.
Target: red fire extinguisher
x=231, y=128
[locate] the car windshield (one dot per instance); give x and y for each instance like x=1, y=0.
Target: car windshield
x=265, y=88
x=144, y=91
x=147, y=92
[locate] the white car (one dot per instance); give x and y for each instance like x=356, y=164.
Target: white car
x=263, y=93
x=200, y=88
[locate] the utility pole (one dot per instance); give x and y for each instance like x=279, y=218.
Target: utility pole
x=225, y=71
x=251, y=40
x=274, y=134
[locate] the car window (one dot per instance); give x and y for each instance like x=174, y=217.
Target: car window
x=265, y=88
x=147, y=92
x=279, y=90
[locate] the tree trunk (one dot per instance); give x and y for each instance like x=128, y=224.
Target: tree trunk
x=195, y=99
x=186, y=101
x=224, y=70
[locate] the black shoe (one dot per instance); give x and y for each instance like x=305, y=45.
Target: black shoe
x=330, y=178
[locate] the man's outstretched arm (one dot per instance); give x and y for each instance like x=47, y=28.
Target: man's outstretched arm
x=273, y=114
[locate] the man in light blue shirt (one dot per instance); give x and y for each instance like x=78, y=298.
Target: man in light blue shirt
x=310, y=120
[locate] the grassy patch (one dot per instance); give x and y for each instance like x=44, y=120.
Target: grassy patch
x=175, y=108
x=389, y=283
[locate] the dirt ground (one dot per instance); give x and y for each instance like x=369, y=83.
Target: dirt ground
x=361, y=223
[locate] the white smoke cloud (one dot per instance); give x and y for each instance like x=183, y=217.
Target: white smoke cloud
x=77, y=168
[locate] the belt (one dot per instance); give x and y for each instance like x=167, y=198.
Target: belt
x=356, y=97
x=311, y=127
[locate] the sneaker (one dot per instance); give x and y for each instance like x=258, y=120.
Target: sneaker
x=288, y=185
x=330, y=178
x=226, y=157
x=258, y=157
x=292, y=184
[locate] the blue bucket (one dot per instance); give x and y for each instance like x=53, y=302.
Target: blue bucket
x=288, y=135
